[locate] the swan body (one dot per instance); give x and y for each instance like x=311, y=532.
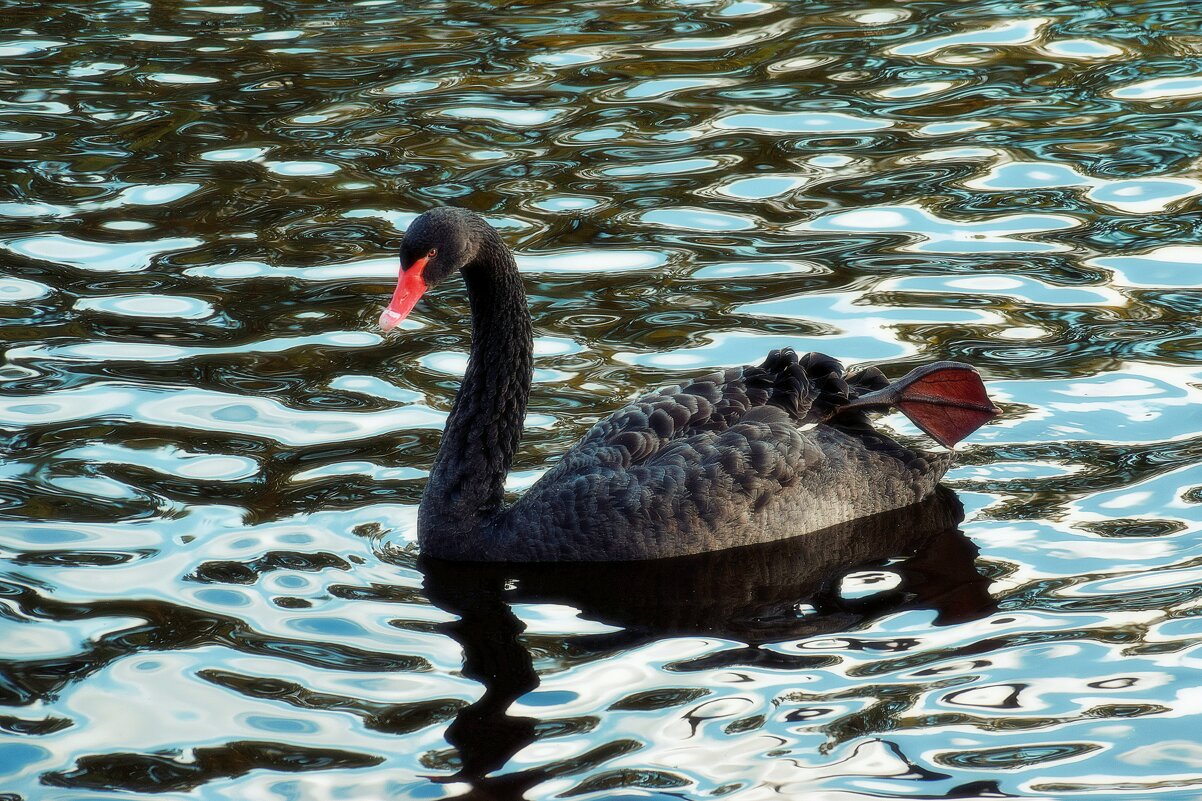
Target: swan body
x=725, y=460
x=743, y=456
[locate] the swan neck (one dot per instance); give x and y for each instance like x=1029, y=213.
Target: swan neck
x=467, y=483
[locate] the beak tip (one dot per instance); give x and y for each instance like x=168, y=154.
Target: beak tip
x=389, y=320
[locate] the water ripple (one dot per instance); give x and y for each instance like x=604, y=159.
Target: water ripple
x=208, y=579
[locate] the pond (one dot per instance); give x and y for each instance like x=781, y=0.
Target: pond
x=209, y=587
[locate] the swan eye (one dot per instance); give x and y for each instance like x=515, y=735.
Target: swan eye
x=432, y=253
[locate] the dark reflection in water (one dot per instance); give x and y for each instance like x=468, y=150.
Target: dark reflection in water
x=767, y=593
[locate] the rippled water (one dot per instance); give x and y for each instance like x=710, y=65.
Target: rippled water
x=209, y=588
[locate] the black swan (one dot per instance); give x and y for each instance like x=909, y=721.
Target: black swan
x=742, y=456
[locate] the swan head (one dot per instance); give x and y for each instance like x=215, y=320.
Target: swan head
x=437, y=244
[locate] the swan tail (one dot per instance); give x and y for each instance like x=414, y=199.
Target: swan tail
x=947, y=400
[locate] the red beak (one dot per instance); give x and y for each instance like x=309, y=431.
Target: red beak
x=408, y=289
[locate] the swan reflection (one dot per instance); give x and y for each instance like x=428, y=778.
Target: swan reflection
x=828, y=581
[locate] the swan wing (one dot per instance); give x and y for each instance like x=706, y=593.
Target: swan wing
x=802, y=388
x=608, y=501
x=703, y=460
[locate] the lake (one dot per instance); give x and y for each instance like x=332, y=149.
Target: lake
x=209, y=587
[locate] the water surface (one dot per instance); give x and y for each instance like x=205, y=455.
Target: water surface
x=209, y=588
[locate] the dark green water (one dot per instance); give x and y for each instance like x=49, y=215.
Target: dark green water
x=208, y=588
